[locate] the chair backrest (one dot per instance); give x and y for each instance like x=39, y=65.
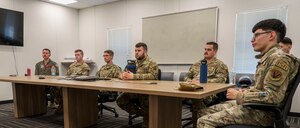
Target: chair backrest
x=227, y=79
x=239, y=75
x=182, y=75
x=159, y=74
x=169, y=76
x=287, y=102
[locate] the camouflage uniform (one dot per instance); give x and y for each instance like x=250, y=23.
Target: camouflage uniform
x=295, y=57
x=78, y=69
x=217, y=73
x=146, y=69
x=45, y=69
x=275, y=71
x=109, y=70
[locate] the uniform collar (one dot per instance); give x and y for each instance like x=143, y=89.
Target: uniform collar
x=264, y=56
x=109, y=65
x=77, y=63
x=141, y=62
x=47, y=62
x=212, y=60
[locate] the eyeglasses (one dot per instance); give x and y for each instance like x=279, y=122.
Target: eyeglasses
x=260, y=33
x=105, y=55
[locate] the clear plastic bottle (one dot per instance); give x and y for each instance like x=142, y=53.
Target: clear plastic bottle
x=232, y=77
x=53, y=71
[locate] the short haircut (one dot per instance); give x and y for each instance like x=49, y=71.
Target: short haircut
x=79, y=50
x=46, y=49
x=214, y=44
x=286, y=40
x=141, y=44
x=272, y=25
x=110, y=52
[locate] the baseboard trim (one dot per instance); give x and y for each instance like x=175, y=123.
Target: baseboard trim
x=6, y=101
x=294, y=114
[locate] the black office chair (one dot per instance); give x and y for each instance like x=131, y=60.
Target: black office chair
x=132, y=117
x=168, y=76
x=104, y=97
x=159, y=74
x=187, y=102
x=281, y=112
x=182, y=75
x=107, y=96
x=244, y=82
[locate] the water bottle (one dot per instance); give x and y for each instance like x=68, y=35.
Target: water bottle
x=232, y=77
x=28, y=72
x=203, y=71
x=53, y=71
x=131, y=66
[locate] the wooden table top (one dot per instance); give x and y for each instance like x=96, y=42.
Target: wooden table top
x=162, y=88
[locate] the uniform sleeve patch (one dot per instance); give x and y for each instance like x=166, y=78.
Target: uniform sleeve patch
x=275, y=74
x=282, y=65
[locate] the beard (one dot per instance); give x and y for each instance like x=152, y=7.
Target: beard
x=140, y=57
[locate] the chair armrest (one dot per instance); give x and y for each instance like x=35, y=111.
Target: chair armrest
x=266, y=107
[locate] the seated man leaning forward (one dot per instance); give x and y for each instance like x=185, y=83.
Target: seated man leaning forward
x=146, y=69
x=275, y=71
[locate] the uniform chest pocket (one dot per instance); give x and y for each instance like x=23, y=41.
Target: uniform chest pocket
x=143, y=70
x=211, y=71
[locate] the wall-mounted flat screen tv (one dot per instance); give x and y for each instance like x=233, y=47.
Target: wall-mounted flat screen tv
x=11, y=27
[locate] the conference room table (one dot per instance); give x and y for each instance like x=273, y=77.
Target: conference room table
x=80, y=98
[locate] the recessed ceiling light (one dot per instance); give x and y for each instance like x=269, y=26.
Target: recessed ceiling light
x=64, y=1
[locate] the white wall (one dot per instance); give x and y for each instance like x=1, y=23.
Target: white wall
x=94, y=22
x=45, y=26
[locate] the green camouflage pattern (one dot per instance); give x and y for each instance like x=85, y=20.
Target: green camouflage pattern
x=134, y=104
x=78, y=69
x=56, y=94
x=138, y=104
x=275, y=71
x=231, y=113
x=146, y=69
x=45, y=69
x=109, y=71
x=217, y=72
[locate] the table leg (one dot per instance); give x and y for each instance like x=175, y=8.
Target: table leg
x=80, y=107
x=29, y=100
x=164, y=112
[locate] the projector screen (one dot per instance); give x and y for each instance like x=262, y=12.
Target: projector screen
x=179, y=38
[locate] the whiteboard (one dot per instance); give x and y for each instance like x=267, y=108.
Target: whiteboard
x=179, y=38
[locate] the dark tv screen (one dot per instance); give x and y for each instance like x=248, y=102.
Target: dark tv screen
x=11, y=27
